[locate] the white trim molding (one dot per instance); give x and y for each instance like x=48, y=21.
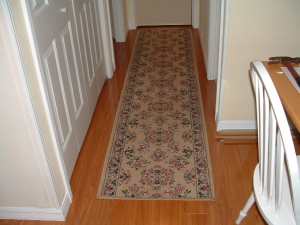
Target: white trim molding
x=195, y=13
x=130, y=9
x=65, y=205
x=229, y=125
x=215, y=38
x=107, y=39
x=119, y=20
x=34, y=213
x=222, y=56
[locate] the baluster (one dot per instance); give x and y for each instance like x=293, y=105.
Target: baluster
x=266, y=140
x=261, y=128
x=272, y=145
x=279, y=170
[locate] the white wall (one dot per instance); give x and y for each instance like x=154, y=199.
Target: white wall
x=166, y=12
x=256, y=30
x=132, y=13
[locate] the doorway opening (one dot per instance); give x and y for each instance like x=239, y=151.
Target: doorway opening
x=130, y=14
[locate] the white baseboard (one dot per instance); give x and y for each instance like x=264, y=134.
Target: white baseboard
x=33, y=213
x=66, y=204
x=224, y=125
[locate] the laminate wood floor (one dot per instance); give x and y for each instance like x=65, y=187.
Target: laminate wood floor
x=233, y=165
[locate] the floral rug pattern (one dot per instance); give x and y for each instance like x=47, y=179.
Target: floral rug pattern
x=158, y=147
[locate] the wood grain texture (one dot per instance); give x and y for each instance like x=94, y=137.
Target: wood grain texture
x=233, y=166
x=288, y=94
x=237, y=136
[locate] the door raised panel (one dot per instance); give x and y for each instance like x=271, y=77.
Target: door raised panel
x=94, y=31
x=92, y=35
x=72, y=62
x=57, y=93
x=87, y=14
x=98, y=44
x=86, y=44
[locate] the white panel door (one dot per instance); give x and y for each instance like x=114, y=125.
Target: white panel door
x=163, y=12
x=88, y=26
x=64, y=76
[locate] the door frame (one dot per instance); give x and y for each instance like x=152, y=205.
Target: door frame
x=195, y=13
x=107, y=38
x=119, y=20
x=223, y=35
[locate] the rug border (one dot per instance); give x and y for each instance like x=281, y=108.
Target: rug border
x=115, y=123
x=210, y=169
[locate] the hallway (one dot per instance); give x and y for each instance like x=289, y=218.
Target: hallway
x=232, y=163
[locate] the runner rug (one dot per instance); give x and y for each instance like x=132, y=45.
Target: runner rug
x=158, y=147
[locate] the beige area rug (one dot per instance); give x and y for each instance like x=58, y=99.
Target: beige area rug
x=158, y=148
